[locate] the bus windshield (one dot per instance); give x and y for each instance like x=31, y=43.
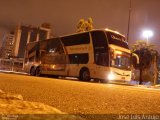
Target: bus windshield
x=117, y=39
x=121, y=61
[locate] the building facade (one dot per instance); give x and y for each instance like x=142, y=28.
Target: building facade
x=7, y=46
x=25, y=34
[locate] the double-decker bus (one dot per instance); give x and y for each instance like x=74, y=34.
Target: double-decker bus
x=97, y=54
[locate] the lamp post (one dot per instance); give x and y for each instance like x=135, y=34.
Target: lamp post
x=147, y=34
x=129, y=19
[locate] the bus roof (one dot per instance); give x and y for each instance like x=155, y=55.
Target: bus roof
x=109, y=30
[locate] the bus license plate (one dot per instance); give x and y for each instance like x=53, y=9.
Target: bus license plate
x=123, y=78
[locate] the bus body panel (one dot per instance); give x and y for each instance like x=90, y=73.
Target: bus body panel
x=68, y=55
x=121, y=75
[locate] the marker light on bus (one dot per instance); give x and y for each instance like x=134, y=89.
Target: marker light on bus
x=111, y=76
x=118, y=52
x=117, y=32
x=53, y=66
x=107, y=29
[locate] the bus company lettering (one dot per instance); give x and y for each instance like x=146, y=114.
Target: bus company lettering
x=80, y=48
x=117, y=38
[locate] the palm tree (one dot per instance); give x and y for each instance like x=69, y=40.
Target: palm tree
x=147, y=56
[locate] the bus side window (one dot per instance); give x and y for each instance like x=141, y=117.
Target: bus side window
x=78, y=39
x=31, y=59
x=54, y=46
x=100, y=46
x=26, y=60
x=101, y=59
x=79, y=58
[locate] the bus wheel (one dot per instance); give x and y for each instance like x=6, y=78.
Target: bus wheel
x=97, y=80
x=38, y=71
x=53, y=76
x=32, y=71
x=103, y=81
x=84, y=75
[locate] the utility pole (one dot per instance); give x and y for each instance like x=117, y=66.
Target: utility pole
x=129, y=19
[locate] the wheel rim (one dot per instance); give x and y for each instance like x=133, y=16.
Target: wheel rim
x=85, y=76
x=32, y=71
x=38, y=72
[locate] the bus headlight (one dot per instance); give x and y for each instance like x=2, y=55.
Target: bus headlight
x=111, y=76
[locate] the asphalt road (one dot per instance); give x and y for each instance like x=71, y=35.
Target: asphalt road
x=77, y=97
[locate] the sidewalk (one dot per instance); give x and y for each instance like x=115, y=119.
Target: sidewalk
x=136, y=84
x=14, y=72
x=156, y=86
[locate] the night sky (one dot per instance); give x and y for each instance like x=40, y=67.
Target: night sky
x=64, y=15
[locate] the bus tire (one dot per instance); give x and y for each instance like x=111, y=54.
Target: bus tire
x=32, y=71
x=84, y=74
x=103, y=81
x=38, y=72
x=97, y=80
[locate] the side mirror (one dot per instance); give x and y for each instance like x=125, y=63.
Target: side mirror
x=135, y=56
x=135, y=60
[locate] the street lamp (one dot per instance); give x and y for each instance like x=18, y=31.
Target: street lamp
x=147, y=34
x=129, y=19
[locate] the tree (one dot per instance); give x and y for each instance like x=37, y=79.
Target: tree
x=81, y=26
x=85, y=25
x=147, y=55
x=89, y=24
